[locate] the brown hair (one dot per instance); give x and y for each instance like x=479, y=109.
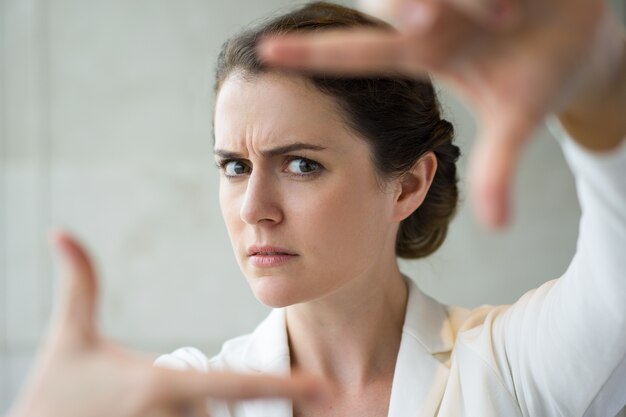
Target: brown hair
x=400, y=118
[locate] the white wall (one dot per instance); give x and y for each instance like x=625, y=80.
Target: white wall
x=105, y=128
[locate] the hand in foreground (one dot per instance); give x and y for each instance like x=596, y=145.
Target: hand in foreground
x=79, y=373
x=513, y=61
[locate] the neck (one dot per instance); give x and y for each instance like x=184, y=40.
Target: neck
x=352, y=336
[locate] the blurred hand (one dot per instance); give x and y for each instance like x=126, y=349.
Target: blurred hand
x=79, y=373
x=512, y=61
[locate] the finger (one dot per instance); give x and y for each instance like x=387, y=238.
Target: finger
x=171, y=386
x=492, y=168
x=78, y=297
x=354, y=52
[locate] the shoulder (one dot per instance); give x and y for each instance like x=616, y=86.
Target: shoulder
x=497, y=321
x=184, y=358
x=438, y=326
x=261, y=350
x=230, y=357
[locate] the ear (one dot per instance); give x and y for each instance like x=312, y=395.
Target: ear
x=414, y=185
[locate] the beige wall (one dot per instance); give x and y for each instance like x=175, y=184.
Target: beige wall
x=105, y=128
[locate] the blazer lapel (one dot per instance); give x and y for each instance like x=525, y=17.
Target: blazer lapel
x=421, y=369
x=268, y=353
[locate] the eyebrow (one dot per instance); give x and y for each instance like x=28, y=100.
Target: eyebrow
x=268, y=153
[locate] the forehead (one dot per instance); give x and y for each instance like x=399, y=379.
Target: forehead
x=273, y=109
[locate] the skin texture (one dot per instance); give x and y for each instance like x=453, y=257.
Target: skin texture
x=341, y=221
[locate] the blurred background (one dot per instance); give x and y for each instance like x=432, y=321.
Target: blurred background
x=105, y=129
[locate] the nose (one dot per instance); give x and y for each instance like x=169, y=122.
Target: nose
x=261, y=203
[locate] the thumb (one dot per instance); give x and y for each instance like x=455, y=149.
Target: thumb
x=172, y=386
x=492, y=168
x=77, y=299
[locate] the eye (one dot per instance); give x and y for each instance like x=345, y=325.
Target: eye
x=303, y=166
x=234, y=168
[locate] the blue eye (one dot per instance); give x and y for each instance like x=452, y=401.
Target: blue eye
x=235, y=168
x=303, y=166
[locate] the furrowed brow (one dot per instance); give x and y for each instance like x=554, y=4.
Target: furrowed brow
x=298, y=146
x=227, y=154
x=281, y=150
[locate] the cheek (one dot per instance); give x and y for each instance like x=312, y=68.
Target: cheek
x=229, y=199
x=344, y=223
x=337, y=223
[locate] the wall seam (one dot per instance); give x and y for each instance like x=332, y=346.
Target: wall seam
x=45, y=59
x=3, y=244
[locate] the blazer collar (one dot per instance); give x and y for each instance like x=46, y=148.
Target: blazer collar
x=419, y=378
x=268, y=350
x=427, y=321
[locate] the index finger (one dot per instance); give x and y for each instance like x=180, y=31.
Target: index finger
x=348, y=51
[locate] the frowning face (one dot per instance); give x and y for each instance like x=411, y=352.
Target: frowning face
x=304, y=209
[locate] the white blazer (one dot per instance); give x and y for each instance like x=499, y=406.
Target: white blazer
x=560, y=350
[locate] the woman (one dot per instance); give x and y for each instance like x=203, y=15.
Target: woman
x=325, y=182
x=558, y=351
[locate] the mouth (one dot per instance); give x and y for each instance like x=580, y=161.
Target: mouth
x=269, y=256
x=269, y=251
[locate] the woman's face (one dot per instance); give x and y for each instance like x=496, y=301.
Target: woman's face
x=304, y=209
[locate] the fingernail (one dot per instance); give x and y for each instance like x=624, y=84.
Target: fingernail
x=266, y=48
x=53, y=237
x=281, y=51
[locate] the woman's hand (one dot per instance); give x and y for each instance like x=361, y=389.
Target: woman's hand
x=513, y=61
x=79, y=373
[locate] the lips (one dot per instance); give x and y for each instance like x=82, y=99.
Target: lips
x=269, y=251
x=270, y=256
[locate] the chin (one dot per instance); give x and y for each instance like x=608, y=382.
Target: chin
x=275, y=291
